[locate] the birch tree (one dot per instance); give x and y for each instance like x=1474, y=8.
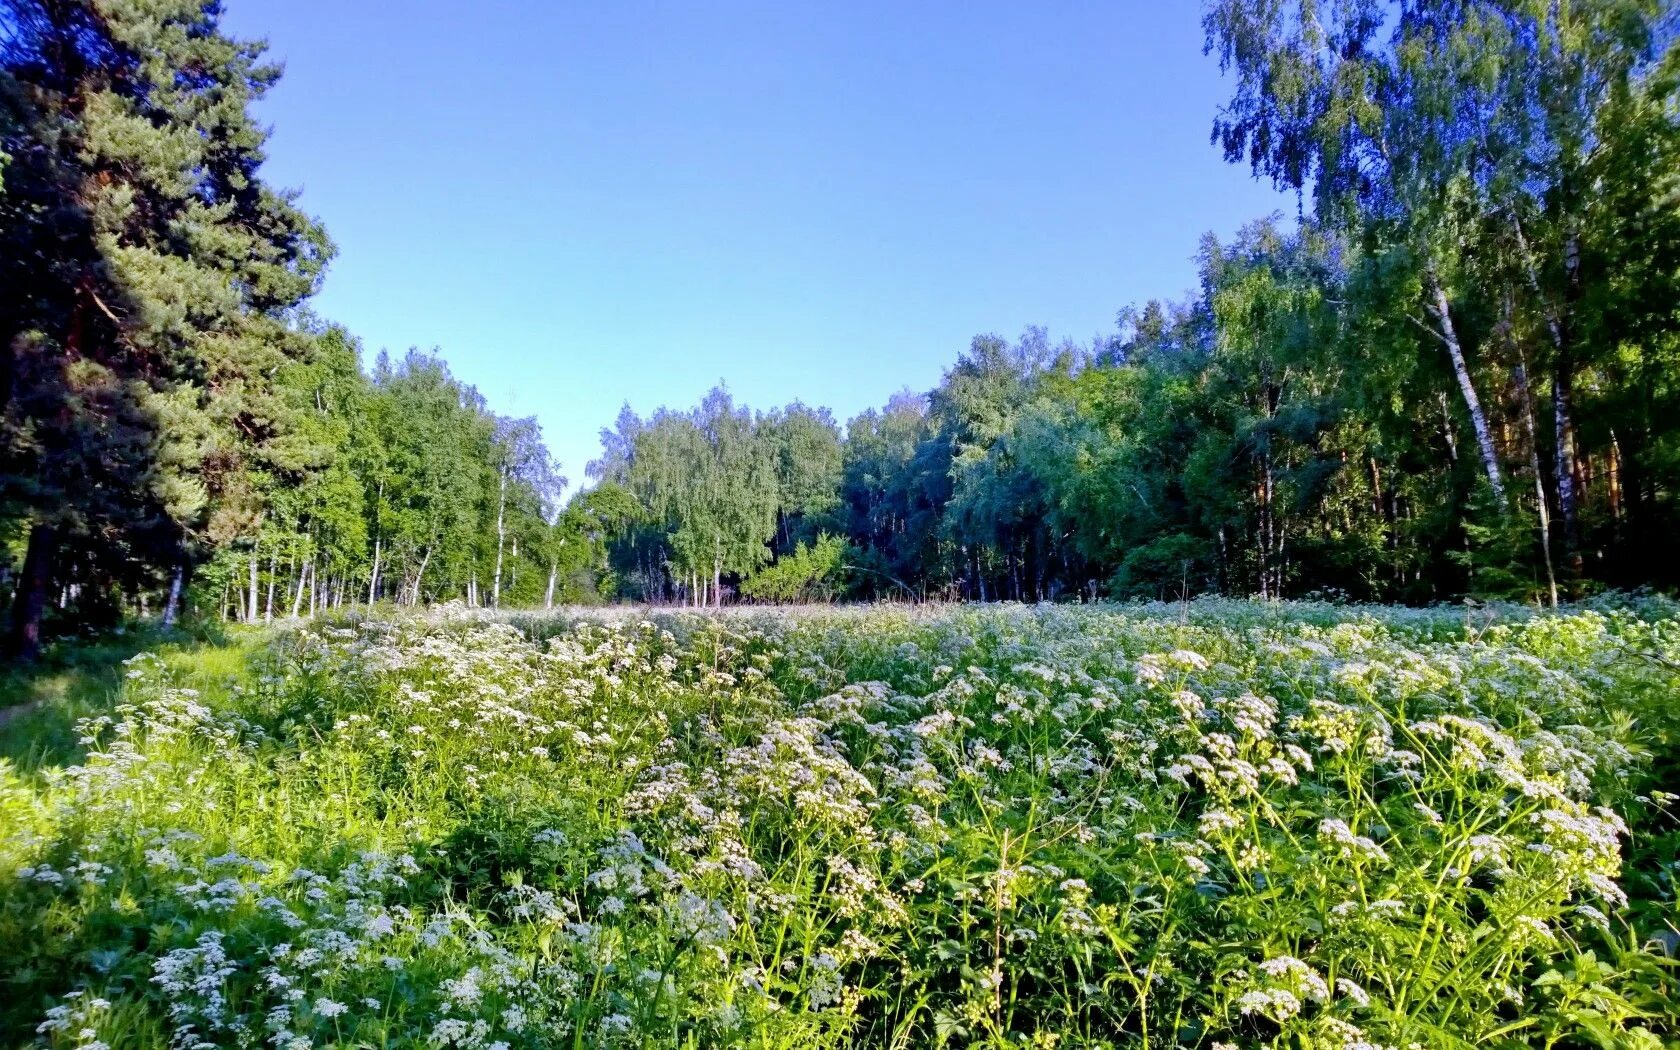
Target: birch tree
x=1374, y=127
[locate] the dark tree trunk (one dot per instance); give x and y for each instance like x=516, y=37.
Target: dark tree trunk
x=30, y=602
x=1564, y=462
x=1519, y=375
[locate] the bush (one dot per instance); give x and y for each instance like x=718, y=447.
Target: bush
x=813, y=572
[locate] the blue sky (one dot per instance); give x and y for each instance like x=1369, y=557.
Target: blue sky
x=580, y=204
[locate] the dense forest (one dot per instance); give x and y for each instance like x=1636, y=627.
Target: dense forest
x=1453, y=371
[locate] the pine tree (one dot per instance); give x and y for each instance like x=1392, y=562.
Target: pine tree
x=147, y=275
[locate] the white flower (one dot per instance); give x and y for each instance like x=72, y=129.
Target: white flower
x=1353, y=991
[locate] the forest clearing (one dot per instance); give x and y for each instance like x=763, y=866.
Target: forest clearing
x=1214, y=823
x=495, y=649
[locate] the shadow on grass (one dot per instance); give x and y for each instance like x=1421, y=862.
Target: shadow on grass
x=40, y=703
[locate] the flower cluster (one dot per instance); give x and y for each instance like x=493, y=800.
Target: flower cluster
x=1229, y=823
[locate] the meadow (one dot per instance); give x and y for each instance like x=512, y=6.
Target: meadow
x=1217, y=824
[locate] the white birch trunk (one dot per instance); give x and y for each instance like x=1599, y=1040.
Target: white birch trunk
x=1442, y=312
x=414, y=596
x=1521, y=375
x=373, y=580
x=297, y=599
x=1563, y=428
x=173, y=606
x=251, y=606
x=501, y=537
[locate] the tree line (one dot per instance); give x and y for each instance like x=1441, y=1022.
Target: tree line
x=1453, y=371
x=175, y=427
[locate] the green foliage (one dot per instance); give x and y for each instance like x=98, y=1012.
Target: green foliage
x=147, y=273
x=814, y=571
x=166, y=409
x=720, y=492
x=1454, y=376
x=1201, y=823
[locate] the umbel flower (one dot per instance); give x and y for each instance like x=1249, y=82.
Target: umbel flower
x=1294, y=824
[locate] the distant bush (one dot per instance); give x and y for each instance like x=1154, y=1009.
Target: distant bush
x=813, y=572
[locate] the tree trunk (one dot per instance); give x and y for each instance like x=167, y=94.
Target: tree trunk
x=1563, y=394
x=553, y=575
x=373, y=580
x=172, y=607
x=420, y=574
x=1267, y=535
x=1442, y=312
x=29, y=604
x=273, y=574
x=1613, y=486
x=1520, y=374
x=1564, y=463
x=1280, y=562
x=501, y=536
x=1221, y=574
x=297, y=599
x=251, y=608
x=1448, y=430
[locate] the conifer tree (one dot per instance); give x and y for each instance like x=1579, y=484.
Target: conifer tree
x=147, y=275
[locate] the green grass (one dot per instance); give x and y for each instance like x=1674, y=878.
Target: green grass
x=41, y=703
x=1211, y=824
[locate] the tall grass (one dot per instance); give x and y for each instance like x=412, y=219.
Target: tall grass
x=1214, y=824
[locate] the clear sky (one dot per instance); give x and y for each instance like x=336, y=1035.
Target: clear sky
x=581, y=204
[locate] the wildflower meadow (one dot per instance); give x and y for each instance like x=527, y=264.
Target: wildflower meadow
x=1217, y=824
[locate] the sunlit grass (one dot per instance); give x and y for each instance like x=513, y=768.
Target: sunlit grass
x=1201, y=824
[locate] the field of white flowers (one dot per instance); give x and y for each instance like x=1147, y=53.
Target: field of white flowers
x=1220, y=825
